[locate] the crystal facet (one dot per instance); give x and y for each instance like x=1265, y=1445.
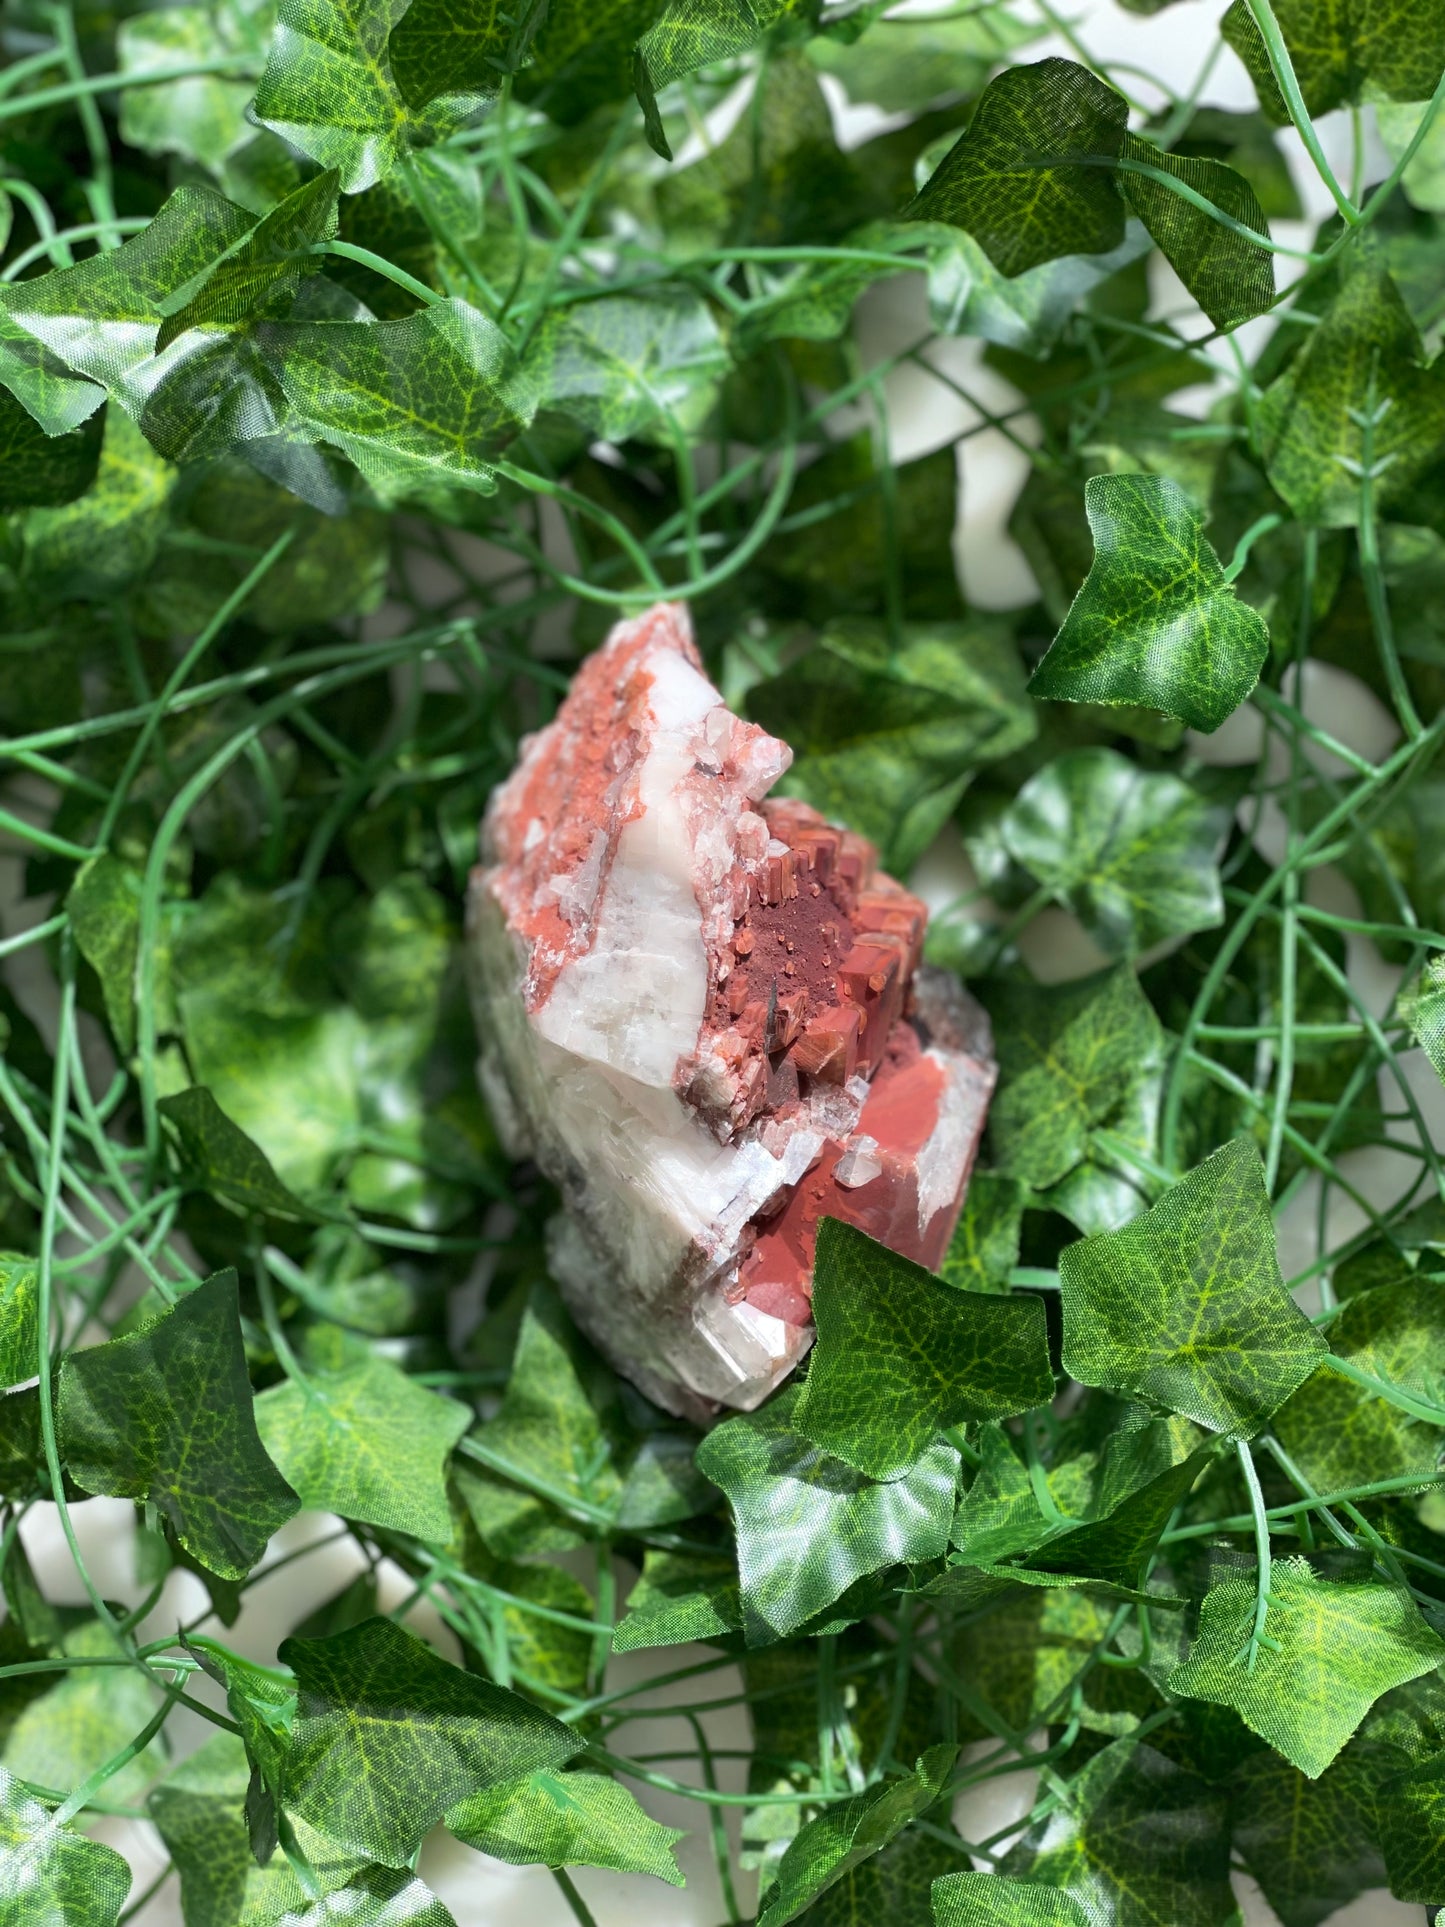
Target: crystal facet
x=703, y=1014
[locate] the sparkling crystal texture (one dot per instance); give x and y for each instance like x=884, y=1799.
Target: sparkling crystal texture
x=703, y=1013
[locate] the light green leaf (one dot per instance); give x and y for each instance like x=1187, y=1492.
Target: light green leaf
x=629, y=364
x=967, y=295
x=1067, y=1054
x=1311, y=1844
x=1186, y=1306
x=900, y=1356
x=108, y=536
x=224, y=1160
x=1331, y=1649
x=56, y=400
x=566, y=1820
x=1365, y=353
x=104, y=910
x=260, y=273
x=65, y=1735
x=1423, y=1008
x=680, y=1596
x=807, y=1524
x=1423, y=181
x=901, y=64
x=1155, y=623
x=359, y=1438
x=985, y=1900
x=1033, y=177
x=38, y=469
x=985, y=1245
x=203, y=117
x=387, y=1737
x=1230, y=276
x=19, y=1319
x=166, y=1416
x=1130, y=851
x=886, y=738
x=375, y=1897
x=50, y=1875
x=844, y=1836
x=425, y=400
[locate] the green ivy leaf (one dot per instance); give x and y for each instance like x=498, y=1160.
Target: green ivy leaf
x=1311, y=1844
x=375, y=1897
x=1033, y=177
x=260, y=273
x=984, y=1247
x=422, y=401
x=1137, y=1840
x=627, y=365
x=1365, y=349
x=1067, y=1054
x=967, y=295
x=107, y=537
x=1335, y=45
x=1130, y=851
x=359, y=1438
x=901, y=64
x=1156, y=623
x=19, y=1318
x=39, y=380
x=986, y=1900
x=439, y=47
x=1186, y=1306
x=566, y=1820
x=39, y=469
x=893, y=1885
x=166, y=1416
x=222, y=1158
x=103, y=905
x=50, y=1874
x=203, y=117
x=680, y=1597
x=387, y=1737
x=263, y=1705
x=900, y=1356
x=807, y=1524
x=843, y=1836
x=1333, y=1648
x=887, y=738
x=1230, y=276
x=1411, y=1811
x=67, y=1734
x=1423, y=1009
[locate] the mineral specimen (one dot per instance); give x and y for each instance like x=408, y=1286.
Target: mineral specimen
x=703, y=1014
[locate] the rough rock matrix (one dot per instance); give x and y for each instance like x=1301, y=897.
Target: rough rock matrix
x=703, y=1014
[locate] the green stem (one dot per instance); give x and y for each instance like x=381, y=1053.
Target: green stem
x=1257, y=1636
x=1284, y=73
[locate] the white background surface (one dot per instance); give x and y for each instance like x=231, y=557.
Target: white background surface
x=923, y=415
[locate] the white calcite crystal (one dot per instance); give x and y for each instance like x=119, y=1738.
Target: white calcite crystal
x=703, y=1014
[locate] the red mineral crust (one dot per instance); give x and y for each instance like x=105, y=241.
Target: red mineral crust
x=705, y=1015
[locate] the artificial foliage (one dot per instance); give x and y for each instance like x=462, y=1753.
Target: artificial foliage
x=360, y=363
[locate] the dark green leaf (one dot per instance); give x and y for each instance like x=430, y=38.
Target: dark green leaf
x=439, y=47
x=900, y=1356
x=1130, y=851
x=985, y=1900
x=1229, y=275
x=1412, y=1831
x=107, y=537
x=1033, y=178
x=689, y=34
x=38, y=469
x=629, y=364
x=49, y=1874
x=843, y=1836
x=221, y=1156
x=566, y=1820
x=1335, y=45
x=261, y=272
x=358, y=1437
x=166, y=1416
x=1310, y=1844
x=985, y=1245
x=387, y=1737
x=807, y=1524
x=1332, y=1649
x=104, y=911
x=680, y=1597
x=1155, y=623
x=1186, y=1306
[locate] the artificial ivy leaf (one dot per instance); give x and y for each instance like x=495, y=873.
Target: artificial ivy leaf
x=807, y=1524
x=1231, y=277
x=686, y=36
x=260, y=273
x=886, y=737
x=375, y=1897
x=893, y=1885
x=1311, y=1844
x=328, y=89
x=107, y=537
x=1411, y=1810
x=1130, y=851
x=901, y=64
x=203, y=116
x=1334, y=45
x=39, y=380
x=19, y=1318
x=50, y=1874
x=1156, y=623
x=359, y=1438
x=629, y=364
x=1066, y=1055
x=1136, y=1840
x=967, y=295
x=843, y=1836
x=899, y=1356
x=1186, y=1306
x=221, y=1156
x=1033, y=177
x=387, y=1737
x=987, y=1900
x=263, y=1705
x=67, y=1734
x=439, y=47
x=103, y=905
x=38, y=469
x=984, y=1247
x=1334, y=1648
x=680, y=1597
x=566, y=1820
x=1423, y=1009
x=1115, y=1547
x=423, y=400
x=1365, y=352
x=166, y=1415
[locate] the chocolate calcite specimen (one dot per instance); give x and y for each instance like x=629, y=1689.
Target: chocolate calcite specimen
x=703, y=1014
